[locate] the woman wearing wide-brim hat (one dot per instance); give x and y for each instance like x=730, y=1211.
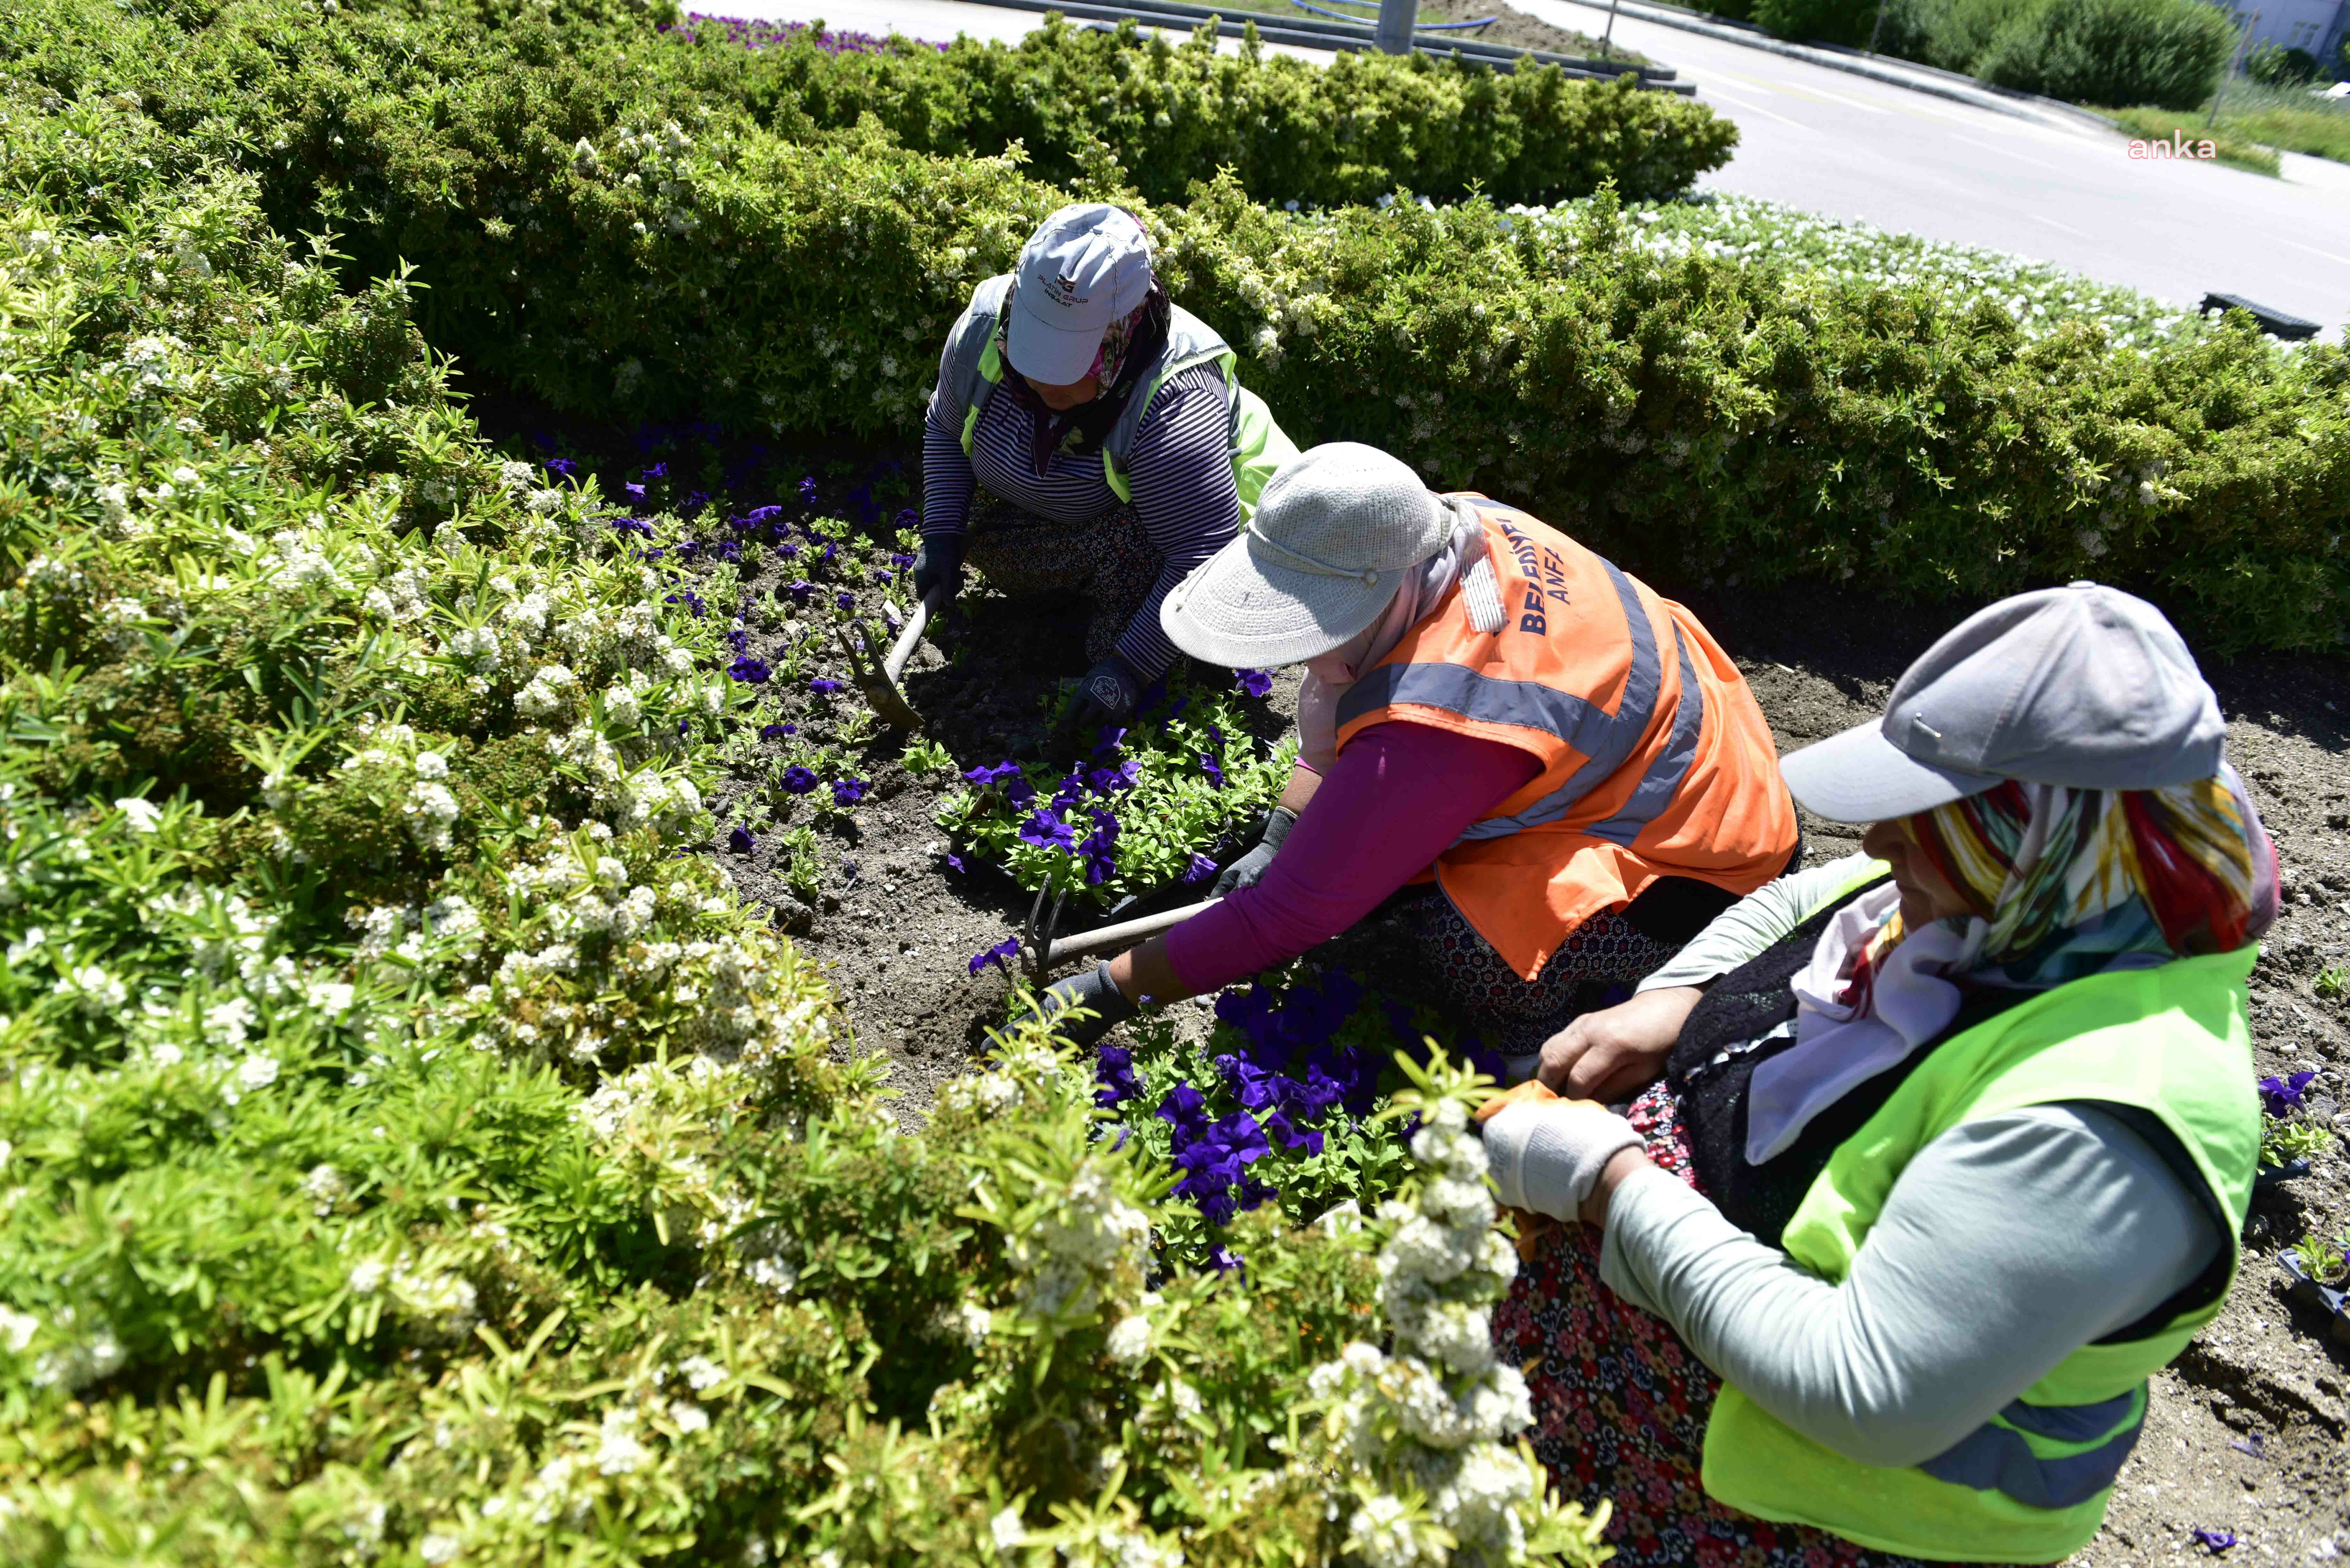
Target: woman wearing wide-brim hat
x=1949, y=1142
x=1110, y=427
x=1572, y=767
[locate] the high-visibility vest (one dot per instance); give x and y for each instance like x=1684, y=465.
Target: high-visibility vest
x=2031, y=1484
x=1656, y=761
x=975, y=368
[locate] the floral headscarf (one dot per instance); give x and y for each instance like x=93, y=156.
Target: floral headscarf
x=2073, y=881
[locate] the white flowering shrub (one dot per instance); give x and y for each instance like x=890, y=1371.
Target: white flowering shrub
x=409, y=1153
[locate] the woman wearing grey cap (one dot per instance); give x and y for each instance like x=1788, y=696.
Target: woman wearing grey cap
x=1109, y=422
x=1948, y=1144
x=1574, y=772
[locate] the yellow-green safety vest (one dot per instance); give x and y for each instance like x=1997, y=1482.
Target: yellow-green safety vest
x=975, y=368
x=2030, y=1485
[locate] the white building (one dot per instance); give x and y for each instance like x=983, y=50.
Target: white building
x=2317, y=25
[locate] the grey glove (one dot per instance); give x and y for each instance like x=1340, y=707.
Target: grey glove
x=1249, y=869
x=1547, y=1155
x=1092, y=990
x=938, y=564
x=1105, y=696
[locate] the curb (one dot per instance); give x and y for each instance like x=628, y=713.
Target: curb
x=1975, y=94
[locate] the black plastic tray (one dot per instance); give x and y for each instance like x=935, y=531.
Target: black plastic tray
x=2325, y=1298
x=2268, y=1175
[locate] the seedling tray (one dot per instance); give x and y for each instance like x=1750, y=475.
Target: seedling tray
x=2268, y=1175
x=2325, y=1298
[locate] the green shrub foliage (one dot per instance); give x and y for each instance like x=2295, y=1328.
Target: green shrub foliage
x=2167, y=54
x=1822, y=21
x=413, y=1156
x=2274, y=65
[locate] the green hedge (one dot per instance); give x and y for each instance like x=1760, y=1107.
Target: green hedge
x=1288, y=131
x=2166, y=54
x=416, y=1155
x=1698, y=415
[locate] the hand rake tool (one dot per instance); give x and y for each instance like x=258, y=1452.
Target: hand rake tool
x=877, y=676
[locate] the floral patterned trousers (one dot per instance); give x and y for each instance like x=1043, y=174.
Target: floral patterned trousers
x=1621, y=1404
x=1515, y=1015
x=1107, y=561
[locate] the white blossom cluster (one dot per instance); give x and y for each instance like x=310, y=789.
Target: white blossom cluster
x=1073, y=1251
x=1435, y=1414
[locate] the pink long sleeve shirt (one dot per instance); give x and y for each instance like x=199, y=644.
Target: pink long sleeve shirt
x=1398, y=796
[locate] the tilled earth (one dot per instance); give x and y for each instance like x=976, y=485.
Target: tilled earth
x=2247, y=1431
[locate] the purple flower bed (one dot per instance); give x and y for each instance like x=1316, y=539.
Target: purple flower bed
x=751, y=33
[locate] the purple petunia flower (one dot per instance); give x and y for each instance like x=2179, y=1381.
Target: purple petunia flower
x=845, y=599
x=1225, y=1260
x=777, y=732
x=956, y=861
x=1100, y=849
x=2215, y=1540
x=1198, y=871
x=849, y=792
x=1000, y=955
x=2286, y=1094
x=1001, y=773
x=562, y=465
x=1114, y=1071
x=807, y=492
x=746, y=668
x=1212, y=768
x=741, y=841
x=798, y=780
x=635, y=492
x=657, y=470
x=799, y=588
x=1046, y=830
x=1108, y=739
x=739, y=639
x=1254, y=682
x=824, y=686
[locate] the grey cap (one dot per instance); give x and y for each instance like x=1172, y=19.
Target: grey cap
x=1334, y=533
x=2083, y=685
x=1084, y=267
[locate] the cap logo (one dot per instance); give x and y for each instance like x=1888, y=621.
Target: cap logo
x=1066, y=287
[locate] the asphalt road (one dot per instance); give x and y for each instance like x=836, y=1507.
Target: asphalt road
x=1849, y=146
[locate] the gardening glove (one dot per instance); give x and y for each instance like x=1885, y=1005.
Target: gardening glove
x=938, y=564
x=1094, y=990
x=1249, y=868
x=1546, y=1154
x=1105, y=696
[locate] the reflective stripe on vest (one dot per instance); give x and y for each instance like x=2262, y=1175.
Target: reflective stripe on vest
x=1603, y=740
x=2033, y=1453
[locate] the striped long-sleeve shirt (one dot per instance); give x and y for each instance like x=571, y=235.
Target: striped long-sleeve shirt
x=1180, y=470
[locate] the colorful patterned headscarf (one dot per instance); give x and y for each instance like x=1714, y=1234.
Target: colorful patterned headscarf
x=2071, y=881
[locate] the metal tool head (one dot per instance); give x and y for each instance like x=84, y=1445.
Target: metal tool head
x=1037, y=950
x=881, y=694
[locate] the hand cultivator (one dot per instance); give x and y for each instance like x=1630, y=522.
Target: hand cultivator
x=1040, y=952
x=877, y=677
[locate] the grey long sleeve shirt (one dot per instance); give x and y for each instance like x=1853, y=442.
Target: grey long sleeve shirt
x=2008, y=1243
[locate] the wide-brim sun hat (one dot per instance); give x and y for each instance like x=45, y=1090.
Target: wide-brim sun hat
x=1333, y=532
x=2083, y=686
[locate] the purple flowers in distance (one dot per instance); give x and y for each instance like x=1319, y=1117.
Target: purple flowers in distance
x=777, y=732
x=823, y=687
x=745, y=667
x=2280, y=1095
x=741, y=840
x=1000, y=955
x=798, y=780
x=1254, y=682
x=849, y=792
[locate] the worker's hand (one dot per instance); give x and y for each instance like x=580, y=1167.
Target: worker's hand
x=1095, y=993
x=1614, y=1053
x=938, y=564
x=1547, y=1155
x=1250, y=868
x=1105, y=696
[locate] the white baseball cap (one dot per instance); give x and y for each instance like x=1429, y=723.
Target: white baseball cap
x=2083, y=685
x=1084, y=267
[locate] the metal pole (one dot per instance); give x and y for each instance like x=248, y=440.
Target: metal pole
x=2243, y=41
x=1393, y=35
x=1874, y=31
x=1610, y=33
x=1119, y=935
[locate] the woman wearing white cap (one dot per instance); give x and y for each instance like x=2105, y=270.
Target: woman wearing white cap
x=1954, y=1137
x=1109, y=421
x=1569, y=759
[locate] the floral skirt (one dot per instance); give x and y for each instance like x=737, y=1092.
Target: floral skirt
x=1621, y=1404
x=1514, y=1016
x=1107, y=562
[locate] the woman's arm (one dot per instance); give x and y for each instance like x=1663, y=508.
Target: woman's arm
x=1753, y=923
x=1181, y=472
x=2007, y=1244
x=1398, y=797
x=947, y=480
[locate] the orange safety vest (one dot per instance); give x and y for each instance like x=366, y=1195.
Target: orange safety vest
x=1654, y=760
